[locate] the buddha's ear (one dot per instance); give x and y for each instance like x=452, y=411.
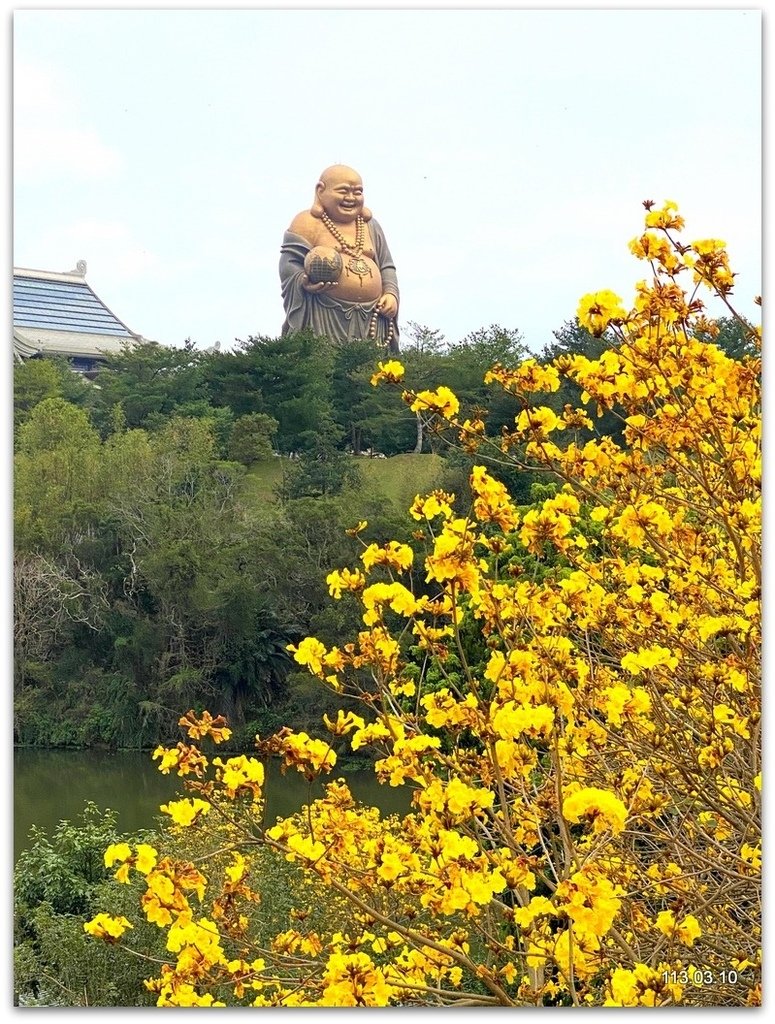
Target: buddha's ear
x=366, y=214
x=316, y=209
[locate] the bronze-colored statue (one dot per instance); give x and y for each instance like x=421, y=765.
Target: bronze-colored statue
x=336, y=271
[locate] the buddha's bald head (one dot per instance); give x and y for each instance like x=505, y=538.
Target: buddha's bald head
x=339, y=172
x=339, y=194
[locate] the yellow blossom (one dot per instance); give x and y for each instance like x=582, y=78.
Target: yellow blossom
x=170, y=758
x=394, y=594
x=344, y=723
x=146, y=858
x=590, y=900
x=186, y=811
x=665, y=217
x=442, y=401
x=512, y=720
x=455, y=797
x=491, y=500
x=529, y=376
x=237, y=871
x=642, y=986
x=353, y=980
x=306, y=753
x=540, y=421
x=117, y=851
x=647, y=658
x=391, y=371
x=752, y=855
x=345, y=579
x=438, y=503
x=537, y=907
x=685, y=932
x=621, y=702
x=393, y=555
x=241, y=774
x=604, y=808
x=598, y=309
x=103, y=926
x=310, y=652
x=199, y=726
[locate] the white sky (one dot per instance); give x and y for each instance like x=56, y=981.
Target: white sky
x=506, y=152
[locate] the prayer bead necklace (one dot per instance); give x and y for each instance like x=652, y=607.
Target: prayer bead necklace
x=356, y=264
x=355, y=249
x=391, y=329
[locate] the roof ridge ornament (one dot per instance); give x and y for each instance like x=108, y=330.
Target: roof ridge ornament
x=80, y=269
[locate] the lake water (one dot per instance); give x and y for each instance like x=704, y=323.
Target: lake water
x=50, y=786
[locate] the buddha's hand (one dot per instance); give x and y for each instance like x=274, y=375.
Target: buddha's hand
x=320, y=286
x=388, y=305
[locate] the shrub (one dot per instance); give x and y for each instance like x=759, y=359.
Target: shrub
x=58, y=880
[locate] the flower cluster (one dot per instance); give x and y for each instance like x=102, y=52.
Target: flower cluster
x=570, y=692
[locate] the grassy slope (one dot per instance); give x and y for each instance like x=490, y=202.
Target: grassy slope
x=261, y=480
x=398, y=478
x=401, y=477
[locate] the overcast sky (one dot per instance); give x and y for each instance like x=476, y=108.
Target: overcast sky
x=505, y=152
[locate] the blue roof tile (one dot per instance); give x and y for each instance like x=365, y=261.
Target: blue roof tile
x=63, y=306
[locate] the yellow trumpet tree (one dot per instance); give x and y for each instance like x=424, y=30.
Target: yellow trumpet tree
x=585, y=817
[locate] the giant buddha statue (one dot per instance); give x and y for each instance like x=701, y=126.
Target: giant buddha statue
x=336, y=271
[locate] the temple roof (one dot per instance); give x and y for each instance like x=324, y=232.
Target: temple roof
x=59, y=314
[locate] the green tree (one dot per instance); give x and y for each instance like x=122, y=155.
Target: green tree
x=423, y=340
x=467, y=363
x=192, y=585
x=38, y=379
x=288, y=378
x=423, y=357
x=369, y=420
x=56, y=470
x=32, y=382
x=251, y=438
x=321, y=472
x=151, y=383
x=253, y=662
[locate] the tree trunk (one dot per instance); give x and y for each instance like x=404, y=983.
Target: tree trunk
x=418, y=446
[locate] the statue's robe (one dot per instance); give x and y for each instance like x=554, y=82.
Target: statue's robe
x=335, y=319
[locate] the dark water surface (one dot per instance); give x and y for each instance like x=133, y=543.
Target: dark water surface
x=52, y=785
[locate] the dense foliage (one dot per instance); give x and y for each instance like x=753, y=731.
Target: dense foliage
x=571, y=691
x=173, y=521
x=57, y=880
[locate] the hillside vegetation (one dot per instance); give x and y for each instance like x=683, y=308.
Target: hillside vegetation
x=165, y=557
x=397, y=478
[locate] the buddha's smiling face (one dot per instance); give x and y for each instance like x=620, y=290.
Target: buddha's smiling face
x=340, y=193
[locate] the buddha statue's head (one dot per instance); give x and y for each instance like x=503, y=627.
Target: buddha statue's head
x=339, y=194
